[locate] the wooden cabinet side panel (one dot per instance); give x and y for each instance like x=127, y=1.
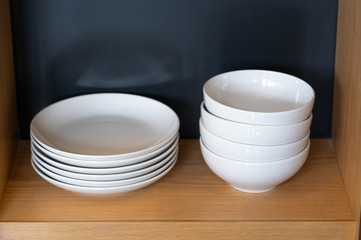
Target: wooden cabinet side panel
x=346, y=117
x=8, y=112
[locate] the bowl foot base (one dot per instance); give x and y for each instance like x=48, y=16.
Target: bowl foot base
x=248, y=190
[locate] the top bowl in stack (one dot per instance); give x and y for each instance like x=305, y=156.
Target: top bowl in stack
x=259, y=97
x=259, y=112
x=104, y=143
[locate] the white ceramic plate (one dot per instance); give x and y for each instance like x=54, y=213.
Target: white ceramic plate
x=163, y=165
x=105, y=125
x=103, y=190
x=107, y=177
x=96, y=167
x=102, y=163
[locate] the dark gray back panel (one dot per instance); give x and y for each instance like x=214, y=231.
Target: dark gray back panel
x=168, y=49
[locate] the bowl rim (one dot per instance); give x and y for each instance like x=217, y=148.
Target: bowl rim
x=290, y=159
x=228, y=121
x=259, y=116
x=252, y=145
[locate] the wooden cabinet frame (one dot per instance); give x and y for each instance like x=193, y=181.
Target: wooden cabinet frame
x=322, y=201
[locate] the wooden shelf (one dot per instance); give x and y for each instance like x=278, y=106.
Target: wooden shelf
x=189, y=202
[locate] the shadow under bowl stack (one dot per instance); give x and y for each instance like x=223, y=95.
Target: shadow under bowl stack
x=255, y=127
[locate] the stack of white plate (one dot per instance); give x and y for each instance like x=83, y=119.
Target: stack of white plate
x=104, y=143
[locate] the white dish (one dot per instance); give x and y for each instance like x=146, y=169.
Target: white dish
x=103, y=190
x=104, y=163
x=100, y=167
x=259, y=97
x=247, y=152
x=105, y=125
x=163, y=165
x=254, y=177
x=254, y=134
x=137, y=174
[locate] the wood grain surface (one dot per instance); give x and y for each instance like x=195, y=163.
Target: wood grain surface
x=279, y=230
x=188, y=195
x=8, y=116
x=190, y=202
x=346, y=119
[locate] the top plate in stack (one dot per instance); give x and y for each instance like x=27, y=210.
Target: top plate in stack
x=102, y=131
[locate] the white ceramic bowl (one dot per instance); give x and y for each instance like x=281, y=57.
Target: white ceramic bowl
x=259, y=97
x=254, y=177
x=254, y=134
x=247, y=152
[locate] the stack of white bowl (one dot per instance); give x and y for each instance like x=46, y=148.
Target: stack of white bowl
x=104, y=143
x=255, y=127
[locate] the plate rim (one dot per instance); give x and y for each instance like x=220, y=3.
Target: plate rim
x=168, y=135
